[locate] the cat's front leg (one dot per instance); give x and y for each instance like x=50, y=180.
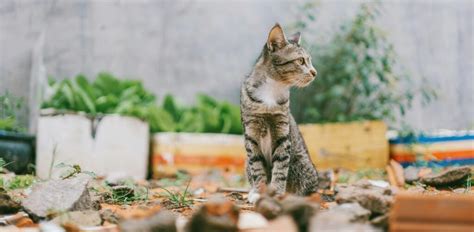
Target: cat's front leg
x=255, y=169
x=281, y=164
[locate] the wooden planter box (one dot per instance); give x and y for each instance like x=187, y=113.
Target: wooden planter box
x=352, y=145
x=448, y=148
x=346, y=145
x=195, y=152
x=416, y=212
x=112, y=145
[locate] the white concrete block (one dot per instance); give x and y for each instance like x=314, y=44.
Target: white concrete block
x=119, y=146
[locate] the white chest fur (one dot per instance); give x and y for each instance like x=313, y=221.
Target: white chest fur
x=271, y=92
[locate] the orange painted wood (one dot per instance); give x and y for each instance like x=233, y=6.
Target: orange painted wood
x=416, y=212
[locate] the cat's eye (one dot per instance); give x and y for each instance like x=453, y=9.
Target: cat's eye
x=300, y=61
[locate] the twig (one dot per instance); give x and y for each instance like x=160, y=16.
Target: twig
x=237, y=190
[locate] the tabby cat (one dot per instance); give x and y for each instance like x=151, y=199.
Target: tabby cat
x=277, y=154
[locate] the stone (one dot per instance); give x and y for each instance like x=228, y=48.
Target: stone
x=110, y=216
x=345, y=217
x=376, y=199
x=163, y=221
x=449, y=177
x=79, y=218
x=411, y=174
x=460, y=190
x=7, y=204
x=251, y=221
x=355, y=212
x=58, y=196
x=416, y=189
x=380, y=221
x=283, y=223
x=301, y=209
x=218, y=214
x=269, y=207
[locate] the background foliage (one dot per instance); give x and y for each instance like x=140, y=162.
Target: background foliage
x=358, y=74
x=110, y=95
x=9, y=107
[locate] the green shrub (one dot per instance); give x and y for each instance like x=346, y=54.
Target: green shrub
x=109, y=95
x=358, y=75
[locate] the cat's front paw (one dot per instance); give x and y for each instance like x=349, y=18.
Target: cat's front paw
x=253, y=196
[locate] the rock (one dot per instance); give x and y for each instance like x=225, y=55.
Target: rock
x=50, y=227
x=7, y=205
x=269, y=207
x=163, y=221
x=218, y=214
x=380, y=221
x=460, y=190
x=345, y=217
x=416, y=189
x=251, y=221
x=110, y=216
x=301, y=209
x=58, y=195
x=283, y=223
x=411, y=174
x=449, y=177
x=79, y=218
x=377, y=200
x=353, y=212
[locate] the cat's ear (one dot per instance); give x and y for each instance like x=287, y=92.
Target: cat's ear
x=295, y=38
x=276, y=38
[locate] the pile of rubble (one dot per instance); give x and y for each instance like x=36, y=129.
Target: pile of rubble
x=80, y=203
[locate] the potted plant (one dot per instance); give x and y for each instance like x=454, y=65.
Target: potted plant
x=100, y=125
x=16, y=146
x=197, y=137
x=360, y=88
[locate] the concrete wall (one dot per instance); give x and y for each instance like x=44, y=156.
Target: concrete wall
x=189, y=46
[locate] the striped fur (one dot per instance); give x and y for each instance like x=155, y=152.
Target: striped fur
x=277, y=154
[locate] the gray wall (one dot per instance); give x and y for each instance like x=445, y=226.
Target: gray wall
x=189, y=46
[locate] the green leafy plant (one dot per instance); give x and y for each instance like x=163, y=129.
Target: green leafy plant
x=208, y=115
x=105, y=95
x=9, y=107
x=109, y=95
x=21, y=181
x=359, y=77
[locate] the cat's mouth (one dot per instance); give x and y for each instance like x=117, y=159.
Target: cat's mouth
x=304, y=81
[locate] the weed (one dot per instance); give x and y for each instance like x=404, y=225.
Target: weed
x=125, y=194
x=73, y=170
x=21, y=182
x=468, y=184
x=178, y=199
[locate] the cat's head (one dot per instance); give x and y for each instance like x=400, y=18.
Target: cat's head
x=291, y=63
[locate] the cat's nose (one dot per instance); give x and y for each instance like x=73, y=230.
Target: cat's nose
x=313, y=72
